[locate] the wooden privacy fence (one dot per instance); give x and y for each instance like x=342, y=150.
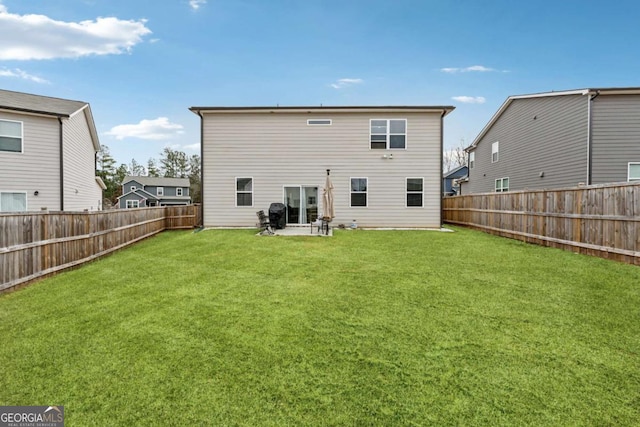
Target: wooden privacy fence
x=35, y=244
x=600, y=220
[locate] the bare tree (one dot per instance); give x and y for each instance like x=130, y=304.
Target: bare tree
x=454, y=157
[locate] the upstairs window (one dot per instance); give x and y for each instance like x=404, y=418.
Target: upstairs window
x=160, y=191
x=495, y=151
x=472, y=159
x=415, y=192
x=634, y=172
x=178, y=191
x=502, y=185
x=244, y=192
x=359, y=190
x=319, y=122
x=10, y=136
x=388, y=134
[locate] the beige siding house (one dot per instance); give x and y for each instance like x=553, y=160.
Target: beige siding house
x=47, y=154
x=385, y=163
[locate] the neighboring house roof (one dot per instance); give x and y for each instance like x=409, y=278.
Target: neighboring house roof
x=327, y=109
x=140, y=192
x=509, y=100
x=457, y=172
x=56, y=107
x=158, y=181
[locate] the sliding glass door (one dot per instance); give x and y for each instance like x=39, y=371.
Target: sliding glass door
x=302, y=203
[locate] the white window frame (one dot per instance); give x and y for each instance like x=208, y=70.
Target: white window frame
x=130, y=204
x=629, y=179
x=407, y=192
x=26, y=199
x=159, y=191
x=179, y=191
x=389, y=134
x=472, y=159
x=495, y=152
x=366, y=192
x=319, y=122
x=501, y=188
x=11, y=136
x=243, y=192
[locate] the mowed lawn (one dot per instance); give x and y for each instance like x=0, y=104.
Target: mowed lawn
x=384, y=328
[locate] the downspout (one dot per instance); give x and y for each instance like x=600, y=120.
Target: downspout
x=441, y=163
x=590, y=137
x=61, y=166
x=201, y=169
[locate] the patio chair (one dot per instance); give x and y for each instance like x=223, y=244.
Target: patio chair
x=322, y=225
x=265, y=226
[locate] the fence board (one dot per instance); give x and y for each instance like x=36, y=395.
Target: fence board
x=600, y=220
x=36, y=244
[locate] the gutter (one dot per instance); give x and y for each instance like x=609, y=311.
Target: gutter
x=590, y=137
x=61, y=166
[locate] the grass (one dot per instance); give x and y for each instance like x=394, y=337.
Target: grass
x=365, y=328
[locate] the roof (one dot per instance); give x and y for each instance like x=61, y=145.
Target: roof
x=456, y=173
x=445, y=109
x=28, y=103
x=45, y=105
x=139, y=192
x=158, y=181
x=587, y=91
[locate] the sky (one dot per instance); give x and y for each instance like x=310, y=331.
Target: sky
x=142, y=63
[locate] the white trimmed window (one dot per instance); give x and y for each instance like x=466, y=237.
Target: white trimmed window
x=244, y=192
x=13, y=201
x=359, y=189
x=495, y=151
x=160, y=191
x=319, y=122
x=633, y=173
x=10, y=136
x=178, y=191
x=133, y=204
x=502, y=185
x=388, y=134
x=415, y=192
x=472, y=159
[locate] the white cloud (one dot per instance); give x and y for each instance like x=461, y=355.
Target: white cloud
x=342, y=83
x=195, y=4
x=158, y=129
x=26, y=37
x=469, y=99
x=18, y=73
x=192, y=147
x=476, y=68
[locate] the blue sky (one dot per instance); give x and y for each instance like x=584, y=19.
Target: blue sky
x=141, y=64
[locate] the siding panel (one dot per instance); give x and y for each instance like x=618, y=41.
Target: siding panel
x=279, y=150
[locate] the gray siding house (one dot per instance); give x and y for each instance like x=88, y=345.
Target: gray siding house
x=385, y=163
x=47, y=154
x=146, y=191
x=558, y=139
x=451, y=180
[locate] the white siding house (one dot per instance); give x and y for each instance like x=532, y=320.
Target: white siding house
x=47, y=154
x=385, y=163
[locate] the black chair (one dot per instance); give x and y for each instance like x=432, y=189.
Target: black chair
x=265, y=226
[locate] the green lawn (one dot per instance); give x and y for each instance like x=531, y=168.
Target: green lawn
x=365, y=328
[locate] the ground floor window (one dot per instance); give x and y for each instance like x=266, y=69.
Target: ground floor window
x=634, y=172
x=502, y=184
x=244, y=192
x=13, y=202
x=133, y=204
x=359, y=189
x=415, y=192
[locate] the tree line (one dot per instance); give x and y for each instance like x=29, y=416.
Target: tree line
x=172, y=164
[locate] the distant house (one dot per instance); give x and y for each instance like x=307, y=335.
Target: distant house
x=385, y=163
x=450, y=180
x=558, y=139
x=47, y=154
x=146, y=191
